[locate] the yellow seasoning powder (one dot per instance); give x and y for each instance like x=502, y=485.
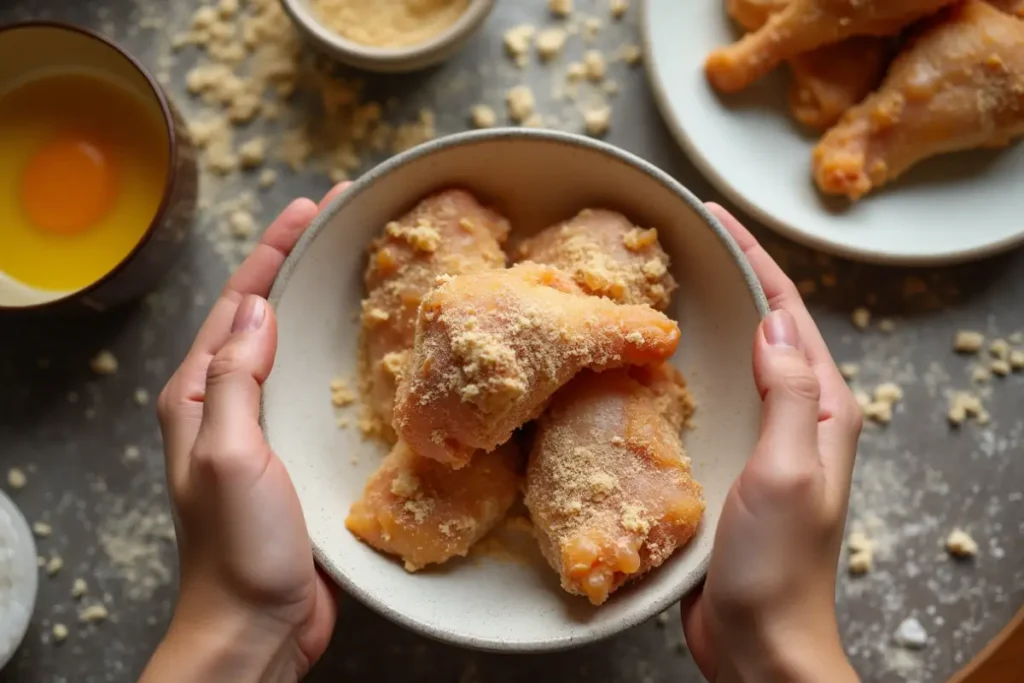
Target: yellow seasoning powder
x=389, y=23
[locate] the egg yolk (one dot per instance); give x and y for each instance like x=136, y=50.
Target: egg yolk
x=68, y=185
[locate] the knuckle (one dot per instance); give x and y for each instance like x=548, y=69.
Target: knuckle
x=800, y=381
x=168, y=401
x=218, y=460
x=228, y=361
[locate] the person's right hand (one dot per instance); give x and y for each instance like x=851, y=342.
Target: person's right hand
x=766, y=612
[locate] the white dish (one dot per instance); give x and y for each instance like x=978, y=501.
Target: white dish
x=949, y=209
x=18, y=578
x=536, y=178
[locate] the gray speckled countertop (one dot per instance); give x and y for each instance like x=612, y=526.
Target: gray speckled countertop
x=94, y=465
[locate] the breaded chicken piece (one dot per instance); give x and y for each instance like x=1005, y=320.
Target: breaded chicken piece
x=606, y=255
x=427, y=513
x=492, y=347
x=447, y=233
x=608, y=483
x=958, y=85
x=826, y=81
x=1014, y=7
x=805, y=25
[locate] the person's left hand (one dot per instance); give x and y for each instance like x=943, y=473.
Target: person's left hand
x=252, y=605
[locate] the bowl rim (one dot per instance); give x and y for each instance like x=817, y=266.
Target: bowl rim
x=302, y=13
x=325, y=218
x=660, y=89
x=170, y=181
x=27, y=541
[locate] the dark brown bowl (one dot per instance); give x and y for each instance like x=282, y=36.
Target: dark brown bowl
x=32, y=46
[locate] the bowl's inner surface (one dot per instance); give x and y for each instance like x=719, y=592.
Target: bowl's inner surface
x=488, y=602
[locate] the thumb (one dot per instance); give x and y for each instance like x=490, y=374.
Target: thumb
x=790, y=396
x=229, y=436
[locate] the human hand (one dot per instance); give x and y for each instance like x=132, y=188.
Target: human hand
x=766, y=612
x=252, y=605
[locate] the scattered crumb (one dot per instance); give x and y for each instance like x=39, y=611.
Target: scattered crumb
x=60, y=632
x=79, y=588
x=483, y=116
x=878, y=411
x=968, y=341
x=597, y=120
x=132, y=453
x=887, y=325
x=520, y=103
x=54, y=564
x=550, y=43
x=964, y=404
x=560, y=8
x=42, y=529
x=911, y=634
x=141, y=396
x=861, y=318
x=93, y=614
x=631, y=54
x=517, y=42
x=849, y=370
x=1000, y=348
x=268, y=177
x=591, y=27
x=341, y=394
x=1017, y=360
x=104, y=363
x=242, y=224
x=16, y=478
x=1000, y=367
x=575, y=71
x=980, y=374
x=594, y=65
x=252, y=152
x=888, y=392
x=960, y=544
x=862, y=551
x=619, y=8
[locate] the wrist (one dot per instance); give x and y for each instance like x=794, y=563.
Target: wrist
x=224, y=643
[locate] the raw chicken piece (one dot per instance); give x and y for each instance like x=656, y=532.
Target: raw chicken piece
x=958, y=85
x=806, y=25
x=606, y=255
x=445, y=234
x=491, y=349
x=426, y=512
x=608, y=484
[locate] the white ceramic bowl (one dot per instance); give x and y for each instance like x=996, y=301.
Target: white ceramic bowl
x=388, y=60
x=18, y=576
x=536, y=178
x=953, y=208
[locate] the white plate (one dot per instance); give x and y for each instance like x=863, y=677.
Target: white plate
x=955, y=208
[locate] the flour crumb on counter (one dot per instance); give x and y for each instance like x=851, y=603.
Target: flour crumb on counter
x=520, y=102
x=60, y=633
x=16, y=479
x=631, y=54
x=483, y=116
x=597, y=121
x=980, y=374
x=517, y=43
x=104, y=363
x=968, y=341
x=93, y=614
x=1000, y=367
x=862, y=550
x=550, y=43
x=241, y=224
x=268, y=177
x=619, y=8
x=965, y=404
x=887, y=325
x=560, y=8
x=1017, y=360
x=594, y=65
x=960, y=544
x=849, y=370
x=132, y=452
x=79, y=588
x=54, y=564
x=42, y=529
x=861, y=318
x=141, y=396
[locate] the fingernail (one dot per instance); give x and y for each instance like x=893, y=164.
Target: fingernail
x=250, y=314
x=780, y=330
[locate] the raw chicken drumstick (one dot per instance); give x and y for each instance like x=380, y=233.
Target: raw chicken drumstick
x=427, y=513
x=805, y=25
x=958, y=85
x=608, y=484
x=491, y=349
x=445, y=234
